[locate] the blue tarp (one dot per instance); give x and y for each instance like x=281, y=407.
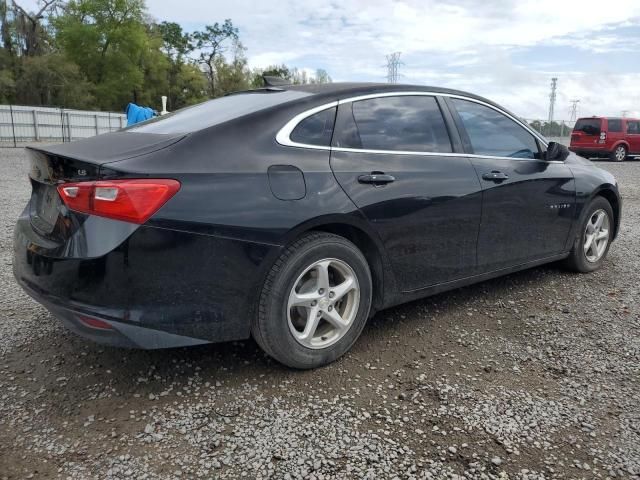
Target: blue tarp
x=136, y=113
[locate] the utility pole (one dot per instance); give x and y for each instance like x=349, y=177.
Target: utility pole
x=552, y=98
x=393, y=62
x=573, y=111
x=624, y=113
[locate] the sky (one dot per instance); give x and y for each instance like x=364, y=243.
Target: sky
x=505, y=50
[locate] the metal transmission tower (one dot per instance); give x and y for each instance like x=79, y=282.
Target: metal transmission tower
x=573, y=111
x=552, y=98
x=393, y=62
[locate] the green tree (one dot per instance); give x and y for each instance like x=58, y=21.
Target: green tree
x=211, y=44
x=292, y=74
x=233, y=75
x=176, y=45
x=7, y=78
x=322, y=76
x=108, y=40
x=52, y=80
x=30, y=37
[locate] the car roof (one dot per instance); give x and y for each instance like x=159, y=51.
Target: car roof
x=349, y=89
x=341, y=90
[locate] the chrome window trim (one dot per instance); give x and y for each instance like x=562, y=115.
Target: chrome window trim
x=283, y=135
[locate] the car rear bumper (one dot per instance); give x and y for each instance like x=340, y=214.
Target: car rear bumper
x=106, y=330
x=157, y=288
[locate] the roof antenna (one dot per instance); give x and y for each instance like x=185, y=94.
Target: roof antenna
x=271, y=81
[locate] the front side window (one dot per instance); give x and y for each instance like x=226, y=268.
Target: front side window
x=403, y=123
x=316, y=129
x=633, y=126
x=614, y=125
x=493, y=134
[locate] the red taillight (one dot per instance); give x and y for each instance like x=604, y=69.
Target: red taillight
x=130, y=200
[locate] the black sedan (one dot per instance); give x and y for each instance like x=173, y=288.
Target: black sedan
x=292, y=214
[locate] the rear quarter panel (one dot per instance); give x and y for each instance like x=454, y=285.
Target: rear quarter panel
x=226, y=194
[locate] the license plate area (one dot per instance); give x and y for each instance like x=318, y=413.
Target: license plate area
x=44, y=207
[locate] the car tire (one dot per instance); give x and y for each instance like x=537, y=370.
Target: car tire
x=303, y=284
x=589, y=251
x=619, y=154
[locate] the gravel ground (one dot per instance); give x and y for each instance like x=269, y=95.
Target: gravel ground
x=531, y=376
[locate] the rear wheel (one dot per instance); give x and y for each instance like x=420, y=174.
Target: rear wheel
x=619, y=153
x=594, y=238
x=314, y=302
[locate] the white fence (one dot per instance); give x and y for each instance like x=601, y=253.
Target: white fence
x=19, y=124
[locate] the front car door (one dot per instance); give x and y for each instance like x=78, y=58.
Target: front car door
x=393, y=156
x=528, y=203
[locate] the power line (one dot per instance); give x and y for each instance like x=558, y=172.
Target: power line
x=552, y=98
x=573, y=111
x=393, y=62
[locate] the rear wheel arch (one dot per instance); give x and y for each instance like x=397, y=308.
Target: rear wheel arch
x=618, y=143
x=371, y=251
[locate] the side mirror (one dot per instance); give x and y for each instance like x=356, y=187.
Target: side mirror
x=556, y=152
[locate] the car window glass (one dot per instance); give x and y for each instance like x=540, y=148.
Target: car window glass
x=633, y=127
x=216, y=111
x=590, y=126
x=614, y=125
x=403, y=123
x=315, y=129
x=493, y=134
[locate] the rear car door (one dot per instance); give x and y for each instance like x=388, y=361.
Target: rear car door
x=394, y=158
x=614, y=133
x=633, y=136
x=527, y=203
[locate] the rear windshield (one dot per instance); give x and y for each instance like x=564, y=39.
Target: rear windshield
x=216, y=111
x=590, y=126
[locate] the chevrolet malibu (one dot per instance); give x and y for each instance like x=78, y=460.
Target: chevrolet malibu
x=292, y=214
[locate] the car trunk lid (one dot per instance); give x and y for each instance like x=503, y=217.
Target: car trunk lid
x=78, y=162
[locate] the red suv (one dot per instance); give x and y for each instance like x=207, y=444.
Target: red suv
x=615, y=138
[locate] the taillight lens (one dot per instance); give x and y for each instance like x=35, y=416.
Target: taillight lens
x=130, y=200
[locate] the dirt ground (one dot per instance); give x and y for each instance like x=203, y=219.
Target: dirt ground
x=531, y=376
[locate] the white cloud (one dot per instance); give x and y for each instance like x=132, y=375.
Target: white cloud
x=464, y=44
x=473, y=41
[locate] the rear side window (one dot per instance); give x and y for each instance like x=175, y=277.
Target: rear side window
x=216, y=111
x=590, y=126
x=315, y=129
x=633, y=126
x=403, y=123
x=493, y=134
x=614, y=125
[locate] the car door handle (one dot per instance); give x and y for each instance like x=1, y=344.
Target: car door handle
x=495, y=176
x=376, y=178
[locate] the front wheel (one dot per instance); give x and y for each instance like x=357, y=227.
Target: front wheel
x=619, y=153
x=594, y=237
x=314, y=302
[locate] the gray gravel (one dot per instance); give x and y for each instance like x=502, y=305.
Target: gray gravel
x=532, y=376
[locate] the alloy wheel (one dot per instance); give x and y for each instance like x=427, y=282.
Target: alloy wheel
x=621, y=153
x=596, y=236
x=323, y=303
